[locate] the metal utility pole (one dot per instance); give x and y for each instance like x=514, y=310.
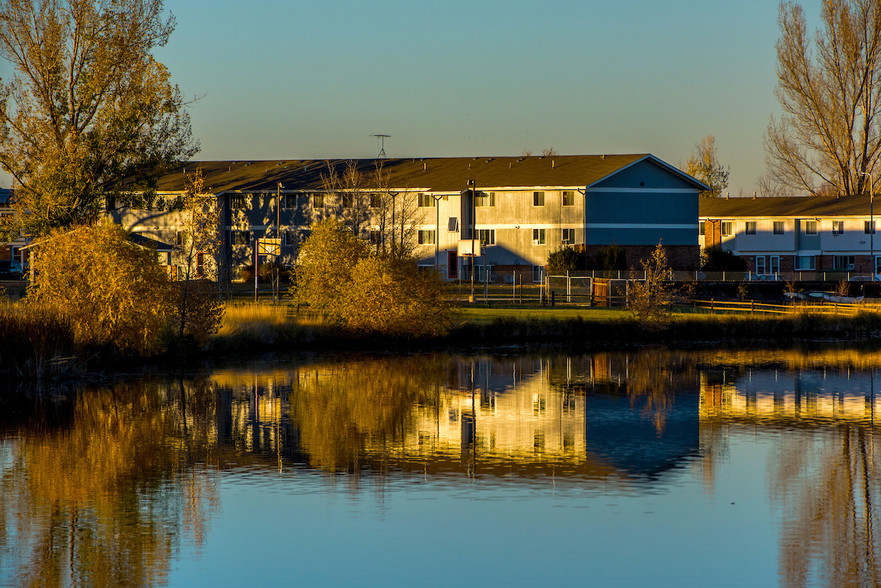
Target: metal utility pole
x=437, y=200
x=871, y=222
x=473, y=185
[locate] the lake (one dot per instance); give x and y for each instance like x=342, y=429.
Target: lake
x=657, y=467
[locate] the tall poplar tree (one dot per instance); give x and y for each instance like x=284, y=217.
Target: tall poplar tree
x=828, y=138
x=89, y=113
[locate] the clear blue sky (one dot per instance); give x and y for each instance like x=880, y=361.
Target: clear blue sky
x=281, y=79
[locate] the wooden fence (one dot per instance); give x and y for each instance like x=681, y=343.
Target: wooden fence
x=753, y=307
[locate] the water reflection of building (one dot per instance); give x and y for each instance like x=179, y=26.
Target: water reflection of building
x=619, y=430
x=792, y=398
x=501, y=410
x=527, y=415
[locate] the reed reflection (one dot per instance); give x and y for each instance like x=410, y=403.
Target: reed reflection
x=96, y=491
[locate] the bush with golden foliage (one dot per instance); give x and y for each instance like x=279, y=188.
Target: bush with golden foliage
x=113, y=292
x=367, y=294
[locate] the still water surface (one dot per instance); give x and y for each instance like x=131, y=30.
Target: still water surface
x=650, y=468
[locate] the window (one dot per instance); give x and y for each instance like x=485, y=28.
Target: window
x=568, y=198
x=347, y=199
x=425, y=237
x=537, y=273
x=237, y=201
x=775, y=264
x=843, y=262
x=568, y=236
x=485, y=199
x=805, y=263
x=289, y=201
x=317, y=200
x=750, y=227
x=453, y=225
x=702, y=228
x=778, y=227
x=240, y=237
x=810, y=227
x=869, y=227
x=303, y=235
x=837, y=227
x=538, y=237
x=538, y=198
x=425, y=200
x=374, y=237
x=289, y=238
x=376, y=201
x=180, y=238
x=487, y=236
x=760, y=264
x=727, y=228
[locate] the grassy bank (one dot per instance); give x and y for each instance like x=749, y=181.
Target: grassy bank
x=37, y=344
x=249, y=326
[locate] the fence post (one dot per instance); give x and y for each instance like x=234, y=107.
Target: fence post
x=752, y=307
x=712, y=306
x=723, y=276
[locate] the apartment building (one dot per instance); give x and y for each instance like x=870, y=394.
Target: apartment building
x=794, y=234
x=513, y=211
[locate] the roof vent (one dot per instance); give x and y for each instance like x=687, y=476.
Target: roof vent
x=553, y=164
x=424, y=165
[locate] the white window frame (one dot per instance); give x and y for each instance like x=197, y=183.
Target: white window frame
x=568, y=236
x=811, y=227
x=837, y=227
x=779, y=228
x=538, y=198
x=843, y=262
x=811, y=261
x=774, y=264
x=485, y=200
x=726, y=228
x=539, y=237
x=761, y=268
x=749, y=228
x=426, y=237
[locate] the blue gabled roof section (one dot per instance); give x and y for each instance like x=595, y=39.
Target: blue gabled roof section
x=626, y=175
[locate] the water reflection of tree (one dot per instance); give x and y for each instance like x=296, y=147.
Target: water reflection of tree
x=104, y=499
x=361, y=403
x=828, y=485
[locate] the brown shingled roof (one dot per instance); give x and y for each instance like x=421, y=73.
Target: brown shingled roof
x=446, y=174
x=793, y=206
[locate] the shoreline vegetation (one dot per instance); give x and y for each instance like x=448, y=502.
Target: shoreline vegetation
x=38, y=344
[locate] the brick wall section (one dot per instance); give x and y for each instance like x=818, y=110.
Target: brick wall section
x=679, y=257
x=862, y=263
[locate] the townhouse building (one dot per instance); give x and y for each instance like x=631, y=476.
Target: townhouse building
x=795, y=234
